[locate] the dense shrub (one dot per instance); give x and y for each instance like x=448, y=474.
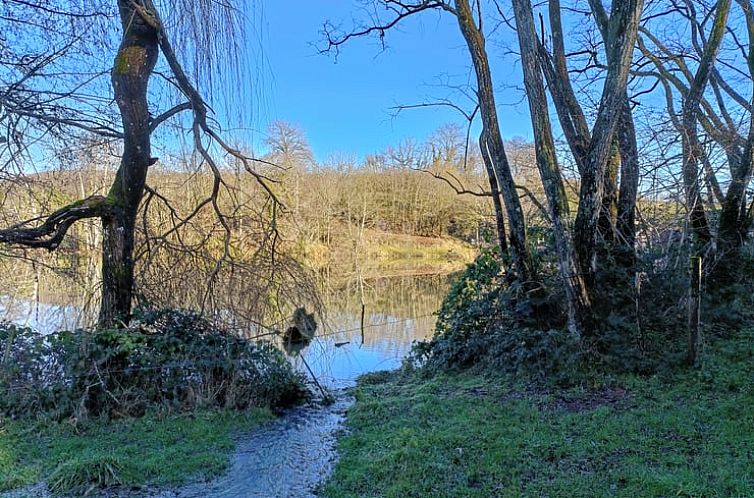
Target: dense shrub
x=164, y=359
x=486, y=322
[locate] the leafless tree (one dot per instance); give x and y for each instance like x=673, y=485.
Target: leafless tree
x=145, y=37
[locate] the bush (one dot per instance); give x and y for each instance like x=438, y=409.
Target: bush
x=165, y=359
x=485, y=324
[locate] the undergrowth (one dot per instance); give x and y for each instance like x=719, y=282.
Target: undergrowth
x=167, y=360
x=490, y=323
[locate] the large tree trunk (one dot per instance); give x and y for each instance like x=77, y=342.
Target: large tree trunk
x=132, y=69
x=622, y=29
x=734, y=216
x=492, y=142
x=606, y=211
x=609, y=213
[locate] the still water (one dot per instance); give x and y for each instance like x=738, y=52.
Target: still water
x=396, y=312
x=291, y=455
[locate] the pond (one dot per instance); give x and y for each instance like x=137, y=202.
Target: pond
x=290, y=456
x=396, y=312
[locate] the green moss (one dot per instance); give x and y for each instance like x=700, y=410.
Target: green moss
x=686, y=434
x=129, y=57
x=132, y=452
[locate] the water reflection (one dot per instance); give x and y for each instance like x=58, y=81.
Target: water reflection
x=396, y=312
x=290, y=456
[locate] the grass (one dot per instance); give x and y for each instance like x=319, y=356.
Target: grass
x=688, y=434
x=151, y=450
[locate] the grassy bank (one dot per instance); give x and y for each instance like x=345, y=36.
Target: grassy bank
x=380, y=253
x=129, y=452
x=687, y=434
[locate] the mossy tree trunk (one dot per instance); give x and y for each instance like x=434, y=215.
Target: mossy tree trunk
x=622, y=29
x=131, y=71
x=579, y=306
x=735, y=216
x=598, y=152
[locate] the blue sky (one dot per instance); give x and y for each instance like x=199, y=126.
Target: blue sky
x=344, y=105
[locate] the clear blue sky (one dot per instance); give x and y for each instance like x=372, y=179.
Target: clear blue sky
x=344, y=105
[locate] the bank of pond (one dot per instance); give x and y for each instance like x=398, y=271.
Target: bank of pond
x=687, y=432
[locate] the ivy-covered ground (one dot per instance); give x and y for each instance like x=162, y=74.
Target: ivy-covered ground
x=688, y=434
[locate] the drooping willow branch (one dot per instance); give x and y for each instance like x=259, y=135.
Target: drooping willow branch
x=201, y=129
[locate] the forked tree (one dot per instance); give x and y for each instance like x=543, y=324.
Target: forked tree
x=144, y=38
x=598, y=151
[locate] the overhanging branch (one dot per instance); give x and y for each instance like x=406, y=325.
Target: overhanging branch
x=50, y=233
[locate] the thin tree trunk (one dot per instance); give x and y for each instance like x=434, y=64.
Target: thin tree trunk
x=495, y=191
x=692, y=149
x=578, y=304
x=492, y=142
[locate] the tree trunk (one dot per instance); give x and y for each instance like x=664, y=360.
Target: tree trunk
x=578, y=304
x=132, y=69
x=609, y=211
x=629, y=182
x=621, y=34
x=497, y=204
x=692, y=149
x=492, y=142
x=734, y=217
x=606, y=212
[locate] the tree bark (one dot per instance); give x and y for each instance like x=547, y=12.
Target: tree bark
x=692, y=149
x=130, y=75
x=622, y=31
x=495, y=192
x=629, y=184
x=609, y=212
x=578, y=303
x=734, y=219
x=492, y=142
x=616, y=217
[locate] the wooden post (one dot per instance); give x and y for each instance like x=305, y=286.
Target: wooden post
x=363, y=311
x=694, y=309
x=637, y=309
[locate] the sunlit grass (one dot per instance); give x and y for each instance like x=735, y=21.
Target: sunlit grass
x=132, y=452
x=689, y=434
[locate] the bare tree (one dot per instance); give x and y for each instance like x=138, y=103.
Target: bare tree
x=144, y=38
x=490, y=140
x=704, y=73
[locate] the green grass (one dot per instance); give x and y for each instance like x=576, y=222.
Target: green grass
x=132, y=452
x=690, y=434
